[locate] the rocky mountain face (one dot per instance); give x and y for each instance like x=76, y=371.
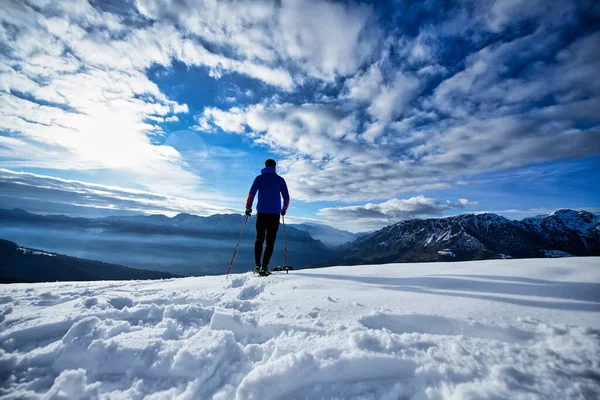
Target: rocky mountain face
x=479, y=236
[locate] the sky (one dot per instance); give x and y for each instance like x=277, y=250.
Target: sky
x=375, y=111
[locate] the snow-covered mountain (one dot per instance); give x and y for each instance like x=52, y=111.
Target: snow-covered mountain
x=569, y=231
x=496, y=329
x=329, y=235
x=479, y=236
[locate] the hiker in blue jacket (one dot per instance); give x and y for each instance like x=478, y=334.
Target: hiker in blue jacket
x=271, y=187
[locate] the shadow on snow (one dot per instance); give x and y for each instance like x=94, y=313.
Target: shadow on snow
x=466, y=286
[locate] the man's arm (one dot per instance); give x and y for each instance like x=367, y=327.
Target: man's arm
x=253, y=190
x=286, y=196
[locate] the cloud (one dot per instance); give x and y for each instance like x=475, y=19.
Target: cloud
x=359, y=107
x=461, y=203
x=392, y=101
x=364, y=85
x=405, y=123
x=326, y=160
x=69, y=92
x=380, y=214
x=322, y=39
x=314, y=130
x=74, y=87
x=47, y=195
x=502, y=13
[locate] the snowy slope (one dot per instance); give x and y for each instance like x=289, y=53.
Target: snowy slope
x=511, y=329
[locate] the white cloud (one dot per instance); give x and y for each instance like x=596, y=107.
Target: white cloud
x=393, y=210
x=375, y=175
x=74, y=87
x=499, y=143
x=310, y=129
x=502, y=13
x=327, y=157
x=97, y=94
x=232, y=120
x=324, y=39
x=461, y=203
x=393, y=100
x=364, y=86
x=47, y=194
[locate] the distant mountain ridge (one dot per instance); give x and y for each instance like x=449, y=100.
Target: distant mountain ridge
x=330, y=236
x=479, y=236
x=191, y=245
x=21, y=264
x=184, y=244
x=181, y=224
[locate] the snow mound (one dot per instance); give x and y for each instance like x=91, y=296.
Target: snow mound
x=517, y=329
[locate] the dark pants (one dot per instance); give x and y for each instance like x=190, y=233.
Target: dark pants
x=266, y=225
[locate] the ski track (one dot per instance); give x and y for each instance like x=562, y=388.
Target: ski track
x=377, y=332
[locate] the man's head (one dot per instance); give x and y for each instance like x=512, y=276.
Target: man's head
x=270, y=163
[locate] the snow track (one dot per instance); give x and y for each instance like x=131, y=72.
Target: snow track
x=518, y=329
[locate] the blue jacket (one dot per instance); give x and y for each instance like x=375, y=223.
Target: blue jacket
x=269, y=186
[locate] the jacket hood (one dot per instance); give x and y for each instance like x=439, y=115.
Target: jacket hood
x=267, y=170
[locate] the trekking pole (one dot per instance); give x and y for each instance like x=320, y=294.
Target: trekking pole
x=287, y=268
x=238, y=243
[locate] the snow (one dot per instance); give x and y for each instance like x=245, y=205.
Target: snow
x=518, y=329
x=35, y=252
x=446, y=252
x=580, y=221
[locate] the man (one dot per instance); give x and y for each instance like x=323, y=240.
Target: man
x=270, y=187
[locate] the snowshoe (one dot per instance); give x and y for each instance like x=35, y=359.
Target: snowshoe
x=264, y=272
x=284, y=268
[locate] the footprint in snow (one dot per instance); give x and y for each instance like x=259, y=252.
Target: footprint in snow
x=238, y=282
x=90, y=302
x=120, y=302
x=250, y=292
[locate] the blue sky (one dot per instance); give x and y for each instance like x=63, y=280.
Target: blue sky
x=375, y=111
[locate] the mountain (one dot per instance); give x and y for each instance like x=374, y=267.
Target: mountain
x=21, y=264
x=479, y=236
x=330, y=236
x=184, y=244
x=568, y=231
x=215, y=226
x=495, y=329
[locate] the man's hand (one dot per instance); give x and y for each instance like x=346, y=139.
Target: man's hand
x=282, y=213
x=248, y=211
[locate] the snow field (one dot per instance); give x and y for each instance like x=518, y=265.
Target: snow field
x=518, y=329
